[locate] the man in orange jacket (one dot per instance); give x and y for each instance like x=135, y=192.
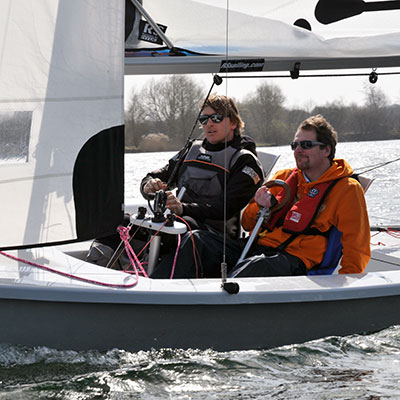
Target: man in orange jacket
x=294, y=240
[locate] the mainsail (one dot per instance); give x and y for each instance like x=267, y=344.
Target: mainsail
x=61, y=89
x=201, y=36
x=61, y=120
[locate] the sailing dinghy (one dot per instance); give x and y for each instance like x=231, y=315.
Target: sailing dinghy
x=62, y=176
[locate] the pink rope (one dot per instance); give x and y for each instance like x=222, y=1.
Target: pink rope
x=393, y=232
x=389, y=231
x=124, y=234
x=176, y=256
x=193, y=244
x=148, y=243
x=78, y=278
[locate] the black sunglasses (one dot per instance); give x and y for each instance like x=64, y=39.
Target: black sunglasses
x=217, y=118
x=306, y=144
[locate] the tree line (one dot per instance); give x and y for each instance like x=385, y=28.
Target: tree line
x=162, y=114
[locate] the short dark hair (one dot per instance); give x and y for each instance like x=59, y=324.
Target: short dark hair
x=227, y=107
x=325, y=132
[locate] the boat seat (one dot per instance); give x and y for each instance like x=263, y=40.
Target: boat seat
x=333, y=254
x=267, y=160
x=364, y=182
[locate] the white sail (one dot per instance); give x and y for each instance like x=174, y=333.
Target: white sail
x=209, y=34
x=61, y=83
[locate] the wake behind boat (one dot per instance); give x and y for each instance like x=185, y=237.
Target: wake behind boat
x=66, y=121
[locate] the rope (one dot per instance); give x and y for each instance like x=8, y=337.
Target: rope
x=126, y=269
x=152, y=238
x=376, y=166
x=393, y=232
x=115, y=257
x=389, y=231
x=124, y=234
x=193, y=244
x=78, y=278
x=176, y=256
x=223, y=263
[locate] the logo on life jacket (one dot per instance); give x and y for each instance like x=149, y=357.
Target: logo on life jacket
x=313, y=192
x=204, y=157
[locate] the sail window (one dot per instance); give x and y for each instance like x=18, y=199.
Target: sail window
x=15, y=128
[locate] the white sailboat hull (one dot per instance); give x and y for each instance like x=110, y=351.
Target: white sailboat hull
x=62, y=81
x=42, y=308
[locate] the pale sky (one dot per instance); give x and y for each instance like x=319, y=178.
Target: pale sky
x=304, y=92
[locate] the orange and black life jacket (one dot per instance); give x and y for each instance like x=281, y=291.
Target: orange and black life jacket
x=297, y=216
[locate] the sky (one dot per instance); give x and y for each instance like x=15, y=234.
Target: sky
x=303, y=92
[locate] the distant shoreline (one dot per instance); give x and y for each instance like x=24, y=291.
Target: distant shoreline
x=129, y=150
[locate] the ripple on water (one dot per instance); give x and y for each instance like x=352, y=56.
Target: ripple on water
x=358, y=366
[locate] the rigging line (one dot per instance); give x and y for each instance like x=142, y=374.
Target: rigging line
x=223, y=265
x=153, y=24
x=383, y=218
x=186, y=147
x=376, y=166
x=310, y=75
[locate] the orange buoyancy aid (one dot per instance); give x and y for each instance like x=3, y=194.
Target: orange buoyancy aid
x=344, y=207
x=298, y=215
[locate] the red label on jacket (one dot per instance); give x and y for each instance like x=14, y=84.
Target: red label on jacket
x=303, y=212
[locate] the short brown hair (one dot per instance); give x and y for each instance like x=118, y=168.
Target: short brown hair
x=227, y=107
x=325, y=132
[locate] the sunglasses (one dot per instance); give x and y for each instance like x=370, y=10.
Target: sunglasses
x=306, y=144
x=217, y=118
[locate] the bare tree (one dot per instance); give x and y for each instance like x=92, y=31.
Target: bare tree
x=375, y=97
x=172, y=105
x=336, y=113
x=134, y=119
x=373, y=118
x=262, y=112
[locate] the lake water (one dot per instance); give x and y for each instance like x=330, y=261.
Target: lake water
x=363, y=367
x=383, y=198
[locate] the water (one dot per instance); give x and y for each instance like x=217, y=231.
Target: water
x=354, y=367
x=383, y=198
